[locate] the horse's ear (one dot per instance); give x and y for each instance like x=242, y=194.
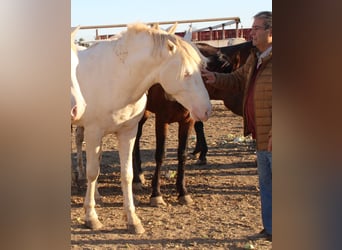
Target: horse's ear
x=172, y=29
x=172, y=46
x=155, y=26
x=74, y=31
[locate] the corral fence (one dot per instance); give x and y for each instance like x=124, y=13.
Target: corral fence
x=216, y=35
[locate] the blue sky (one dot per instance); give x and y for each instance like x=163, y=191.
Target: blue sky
x=105, y=12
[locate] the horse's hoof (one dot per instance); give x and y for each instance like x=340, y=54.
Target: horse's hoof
x=137, y=186
x=157, y=201
x=185, y=200
x=93, y=224
x=201, y=162
x=135, y=229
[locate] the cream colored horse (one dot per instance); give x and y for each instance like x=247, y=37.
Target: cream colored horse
x=114, y=77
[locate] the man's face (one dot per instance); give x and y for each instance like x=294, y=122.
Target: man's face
x=261, y=37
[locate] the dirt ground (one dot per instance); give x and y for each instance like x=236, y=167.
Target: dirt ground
x=226, y=208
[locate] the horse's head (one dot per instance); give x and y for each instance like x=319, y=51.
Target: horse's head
x=180, y=76
x=236, y=55
x=217, y=61
x=175, y=64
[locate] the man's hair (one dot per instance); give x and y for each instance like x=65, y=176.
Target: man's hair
x=267, y=16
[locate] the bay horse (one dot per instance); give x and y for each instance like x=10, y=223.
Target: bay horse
x=234, y=57
x=114, y=76
x=168, y=111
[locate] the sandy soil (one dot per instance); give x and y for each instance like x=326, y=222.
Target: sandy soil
x=226, y=208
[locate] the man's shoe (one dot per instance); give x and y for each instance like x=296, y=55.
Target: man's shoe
x=265, y=235
x=262, y=235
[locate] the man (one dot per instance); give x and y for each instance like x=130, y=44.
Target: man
x=254, y=78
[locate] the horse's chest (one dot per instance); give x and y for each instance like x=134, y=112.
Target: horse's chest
x=127, y=117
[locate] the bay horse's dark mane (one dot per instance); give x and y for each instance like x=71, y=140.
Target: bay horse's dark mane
x=225, y=59
x=236, y=54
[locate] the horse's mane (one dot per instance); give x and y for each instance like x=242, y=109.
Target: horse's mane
x=191, y=56
x=226, y=58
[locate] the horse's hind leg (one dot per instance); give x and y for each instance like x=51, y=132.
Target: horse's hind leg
x=80, y=166
x=161, y=132
x=183, y=133
x=138, y=175
x=74, y=173
x=201, y=144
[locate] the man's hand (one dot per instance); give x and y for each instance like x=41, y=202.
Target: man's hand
x=208, y=76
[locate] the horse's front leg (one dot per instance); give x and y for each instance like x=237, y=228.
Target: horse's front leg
x=161, y=128
x=93, y=139
x=126, y=143
x=183, y=134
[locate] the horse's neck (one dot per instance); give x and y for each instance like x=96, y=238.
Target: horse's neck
x=143, y=69
x=133, y=73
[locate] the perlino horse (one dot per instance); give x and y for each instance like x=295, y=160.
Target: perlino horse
x=113, y=77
